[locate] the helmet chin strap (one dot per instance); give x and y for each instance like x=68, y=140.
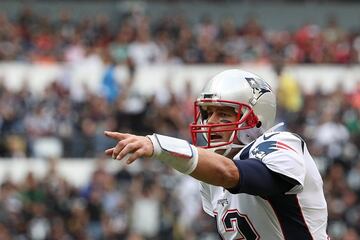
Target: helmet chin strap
x=248, y=135
x=227, y=148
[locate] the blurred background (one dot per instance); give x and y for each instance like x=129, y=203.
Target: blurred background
x=71, y=69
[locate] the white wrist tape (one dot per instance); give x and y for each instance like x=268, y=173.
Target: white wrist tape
x=175, y=152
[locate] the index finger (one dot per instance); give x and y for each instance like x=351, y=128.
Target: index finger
x=115, y=135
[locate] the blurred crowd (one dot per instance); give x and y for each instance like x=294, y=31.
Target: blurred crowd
x=133, y=36
x=151, y=201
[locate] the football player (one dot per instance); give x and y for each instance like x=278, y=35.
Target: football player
x=257, y=182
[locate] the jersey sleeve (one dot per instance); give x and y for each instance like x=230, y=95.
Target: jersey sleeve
x=282, y=153
x=206, y=198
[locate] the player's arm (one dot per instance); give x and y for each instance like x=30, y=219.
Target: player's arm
x=246, y=176
x=257, y=179
x=216, y=169
x=249, y=176
x=199, y=163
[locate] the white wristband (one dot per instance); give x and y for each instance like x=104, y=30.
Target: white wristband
x=175, y=152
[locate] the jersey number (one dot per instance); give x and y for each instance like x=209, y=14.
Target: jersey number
x=234, y=221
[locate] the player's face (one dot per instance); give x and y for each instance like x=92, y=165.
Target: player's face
x=216, y=115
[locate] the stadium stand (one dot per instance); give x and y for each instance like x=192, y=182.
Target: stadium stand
x=63, y=122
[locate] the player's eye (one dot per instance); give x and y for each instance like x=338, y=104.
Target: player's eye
x=226, y=114
x=225, y=121
x=223, y=115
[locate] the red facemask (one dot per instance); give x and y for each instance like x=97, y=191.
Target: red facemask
x=201, y=131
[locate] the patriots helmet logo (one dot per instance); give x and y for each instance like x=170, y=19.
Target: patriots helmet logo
x=267, y=147
x=259, y=87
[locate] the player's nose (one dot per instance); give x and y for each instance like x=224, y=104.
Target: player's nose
x=213, y=119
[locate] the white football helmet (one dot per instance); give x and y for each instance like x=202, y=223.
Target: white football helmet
x=250, y=96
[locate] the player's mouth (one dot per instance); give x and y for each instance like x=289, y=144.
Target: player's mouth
x=216, y=137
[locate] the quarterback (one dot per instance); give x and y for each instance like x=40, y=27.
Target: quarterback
x=256, y=181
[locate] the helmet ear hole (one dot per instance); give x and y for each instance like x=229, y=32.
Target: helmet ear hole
x=259, y=123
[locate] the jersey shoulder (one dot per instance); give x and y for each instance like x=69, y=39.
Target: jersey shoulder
x=280, y=142
x=271, y=142
x=283, y=153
